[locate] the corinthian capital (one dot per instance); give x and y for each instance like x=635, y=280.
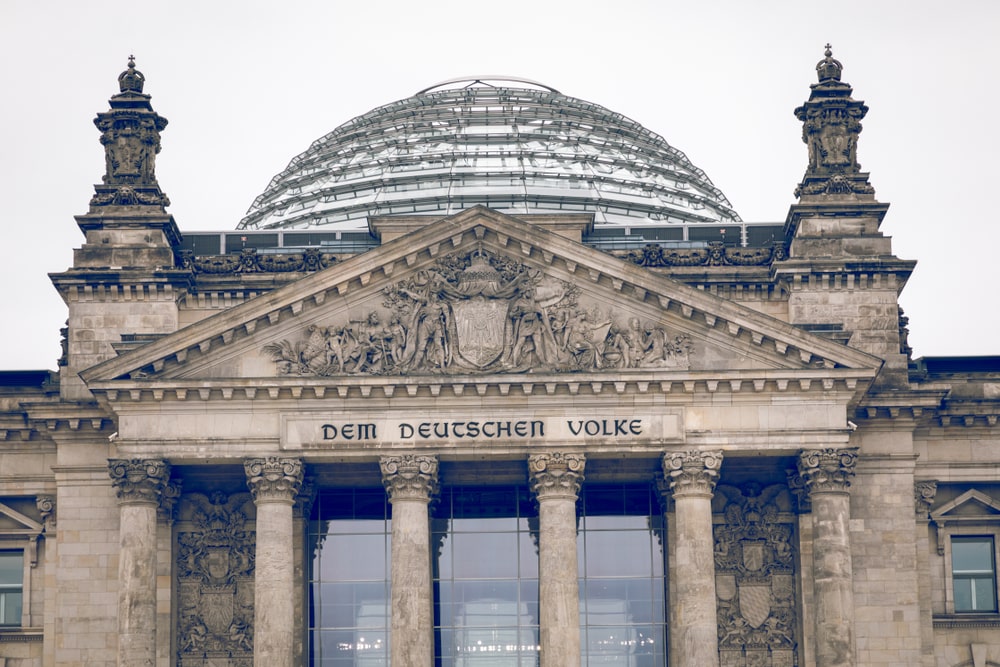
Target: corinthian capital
x=692, y=473
x=139, y=480
x=827, y=470
x=409, y=476
x=556, y=474
x=273, y=478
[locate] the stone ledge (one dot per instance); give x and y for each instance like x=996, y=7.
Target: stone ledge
x=965, y=621
x=21, y=635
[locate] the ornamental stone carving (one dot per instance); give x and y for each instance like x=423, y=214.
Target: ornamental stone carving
x=249, y=261
x=46, y=506
x=692, y=472
x=302, y=509
x=215, y=580
x=831, y=123
x=716, y=253
x=556, y=474
x=480, y=313
x=827, y=470
x=273, y=478
x=755, y=576
x=409, y=476
x=923, y=497
x=139, y=480
x=130, y=134
x=797, y=485
x=168, y=501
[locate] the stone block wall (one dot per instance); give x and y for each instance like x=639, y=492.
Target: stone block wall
x=883, y=541
x=86, y=596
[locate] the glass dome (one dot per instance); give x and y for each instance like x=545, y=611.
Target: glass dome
x=511, y=144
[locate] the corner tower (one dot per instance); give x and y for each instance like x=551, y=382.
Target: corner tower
x=840, y=274
x=123, y=283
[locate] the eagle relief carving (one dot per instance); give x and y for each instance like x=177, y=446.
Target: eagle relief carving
x=480, y=313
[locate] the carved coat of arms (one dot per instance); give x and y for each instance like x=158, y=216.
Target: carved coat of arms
x=480, y=313
x=754, y=578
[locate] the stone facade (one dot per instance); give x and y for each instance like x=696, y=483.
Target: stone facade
x=170, y=495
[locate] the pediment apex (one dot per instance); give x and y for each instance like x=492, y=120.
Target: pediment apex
x=973, y=504
x=666, y=311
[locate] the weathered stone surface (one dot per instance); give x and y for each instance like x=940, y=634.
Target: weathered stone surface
x=827, y=474
x=555, y=479
x=139, y=484
x=692, y=476
x=274, y=483
x=411, y=482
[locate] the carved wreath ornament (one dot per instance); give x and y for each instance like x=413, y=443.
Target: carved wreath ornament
x=480, y=313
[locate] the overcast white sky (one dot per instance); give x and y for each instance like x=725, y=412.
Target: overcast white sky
x=248, y=85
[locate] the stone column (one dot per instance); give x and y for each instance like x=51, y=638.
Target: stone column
x=139, y=485
x=274, y=482
x=827, y=476
x=555, y=480
x=694, y=634
x=411, y=482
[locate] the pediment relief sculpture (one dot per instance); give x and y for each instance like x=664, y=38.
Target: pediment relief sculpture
x=481, y=313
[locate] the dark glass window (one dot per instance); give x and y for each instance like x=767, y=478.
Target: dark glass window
x=620, y=551
x=349, y=583
x=485, y=578
x=11, y=586
x=973, y=571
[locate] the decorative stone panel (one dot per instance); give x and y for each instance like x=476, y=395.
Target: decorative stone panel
x=215, y=580
x=755, y=577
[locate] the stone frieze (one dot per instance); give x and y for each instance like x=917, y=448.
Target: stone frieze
x=715, y=253
x=480, y=313
x=249, y=261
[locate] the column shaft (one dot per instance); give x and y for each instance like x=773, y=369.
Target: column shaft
x=274, y=483
x=827, y=474
x=694, y=635
x=411, y=482
x=555, y=479
x=139, y=485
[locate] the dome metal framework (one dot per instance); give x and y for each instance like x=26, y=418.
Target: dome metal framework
x=514, y=145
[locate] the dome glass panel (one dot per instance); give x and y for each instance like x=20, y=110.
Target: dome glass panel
x=512, y=145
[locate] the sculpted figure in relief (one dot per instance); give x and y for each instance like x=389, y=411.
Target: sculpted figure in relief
x=480, y=313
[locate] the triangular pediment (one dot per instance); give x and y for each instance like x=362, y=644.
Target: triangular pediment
x=969, y=506
x=484, y=294
x=14, y=522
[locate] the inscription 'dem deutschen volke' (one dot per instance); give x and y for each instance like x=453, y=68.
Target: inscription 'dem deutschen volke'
x=481, y=429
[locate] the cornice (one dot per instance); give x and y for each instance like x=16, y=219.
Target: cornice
x=836, y=207
x=820, y=381
x=78, y=417
x=728, y=323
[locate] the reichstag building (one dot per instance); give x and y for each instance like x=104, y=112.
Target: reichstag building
x=493, y=376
